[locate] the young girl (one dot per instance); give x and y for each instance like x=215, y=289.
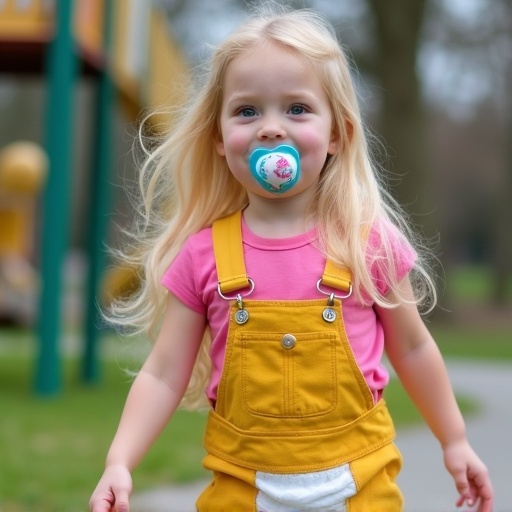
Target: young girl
x=265, y=221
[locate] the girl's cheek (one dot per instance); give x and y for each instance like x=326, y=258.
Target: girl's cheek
x=313, y=138
x=237, y=141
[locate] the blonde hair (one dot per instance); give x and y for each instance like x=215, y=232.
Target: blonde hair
x=186, y=185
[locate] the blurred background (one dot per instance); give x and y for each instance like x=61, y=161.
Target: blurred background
x=434, y=79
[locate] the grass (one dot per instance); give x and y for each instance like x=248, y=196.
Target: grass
x=473, y=283
x=461, y=343
x=52, y=449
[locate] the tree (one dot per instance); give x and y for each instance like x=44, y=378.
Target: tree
x=503, y=233
x=402, y=123
x=478, y=45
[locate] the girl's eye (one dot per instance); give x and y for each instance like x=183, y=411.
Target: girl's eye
x=297, y=110
x=247, y=112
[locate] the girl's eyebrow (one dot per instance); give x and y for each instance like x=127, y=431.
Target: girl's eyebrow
x=240, y=98
x=250, y=97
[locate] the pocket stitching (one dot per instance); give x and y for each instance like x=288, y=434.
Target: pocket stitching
x=318, y=337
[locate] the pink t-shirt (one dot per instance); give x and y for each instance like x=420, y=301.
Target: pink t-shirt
x=282, y=269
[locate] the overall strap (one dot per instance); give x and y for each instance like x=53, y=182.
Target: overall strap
x=229, y=259
x=229, y=254
x=336, y=277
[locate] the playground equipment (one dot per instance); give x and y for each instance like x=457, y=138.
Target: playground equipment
x=141, y=56
x=23, y=169
x=127, y=47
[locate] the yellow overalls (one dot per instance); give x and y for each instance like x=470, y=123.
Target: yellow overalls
x=293, y=406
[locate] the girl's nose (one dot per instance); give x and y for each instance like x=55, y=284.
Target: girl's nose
x=271, y=128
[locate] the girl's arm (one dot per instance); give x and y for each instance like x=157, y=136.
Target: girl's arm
x=419, y=365
x=154, y=396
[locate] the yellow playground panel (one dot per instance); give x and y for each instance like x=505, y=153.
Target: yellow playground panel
x=25, y=19
x=146, y=62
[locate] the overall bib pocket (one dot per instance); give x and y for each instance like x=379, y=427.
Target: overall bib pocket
x=287, y=375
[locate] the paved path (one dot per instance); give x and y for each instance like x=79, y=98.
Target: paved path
x=427, y=487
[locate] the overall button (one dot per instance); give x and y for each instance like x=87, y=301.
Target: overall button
x=329, y=315
x=288, y=341
x=241, y=316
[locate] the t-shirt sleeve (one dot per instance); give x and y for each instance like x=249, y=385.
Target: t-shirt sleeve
x=180, y=279
x=390, y=255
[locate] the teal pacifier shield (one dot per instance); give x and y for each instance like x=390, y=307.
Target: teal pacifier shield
x=276, y=170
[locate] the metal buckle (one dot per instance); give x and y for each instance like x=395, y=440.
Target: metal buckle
x=238, y=295
x=330, y=294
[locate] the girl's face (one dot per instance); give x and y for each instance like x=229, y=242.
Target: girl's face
x=272, y=97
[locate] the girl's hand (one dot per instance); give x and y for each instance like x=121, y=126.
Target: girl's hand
x=471, y=476
x=113, y=491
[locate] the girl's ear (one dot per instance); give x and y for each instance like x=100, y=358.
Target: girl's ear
x=349, y=130
x=335, y=144
x=219, y=144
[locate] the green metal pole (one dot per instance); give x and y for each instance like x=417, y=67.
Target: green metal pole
x=61, y=73
x=99, y=202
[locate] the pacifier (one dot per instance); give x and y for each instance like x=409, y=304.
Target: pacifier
x=276, y=170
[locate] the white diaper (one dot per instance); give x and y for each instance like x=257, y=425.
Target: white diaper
x=321, y=491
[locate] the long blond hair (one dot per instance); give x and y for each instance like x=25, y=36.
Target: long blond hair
x=185, y=185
